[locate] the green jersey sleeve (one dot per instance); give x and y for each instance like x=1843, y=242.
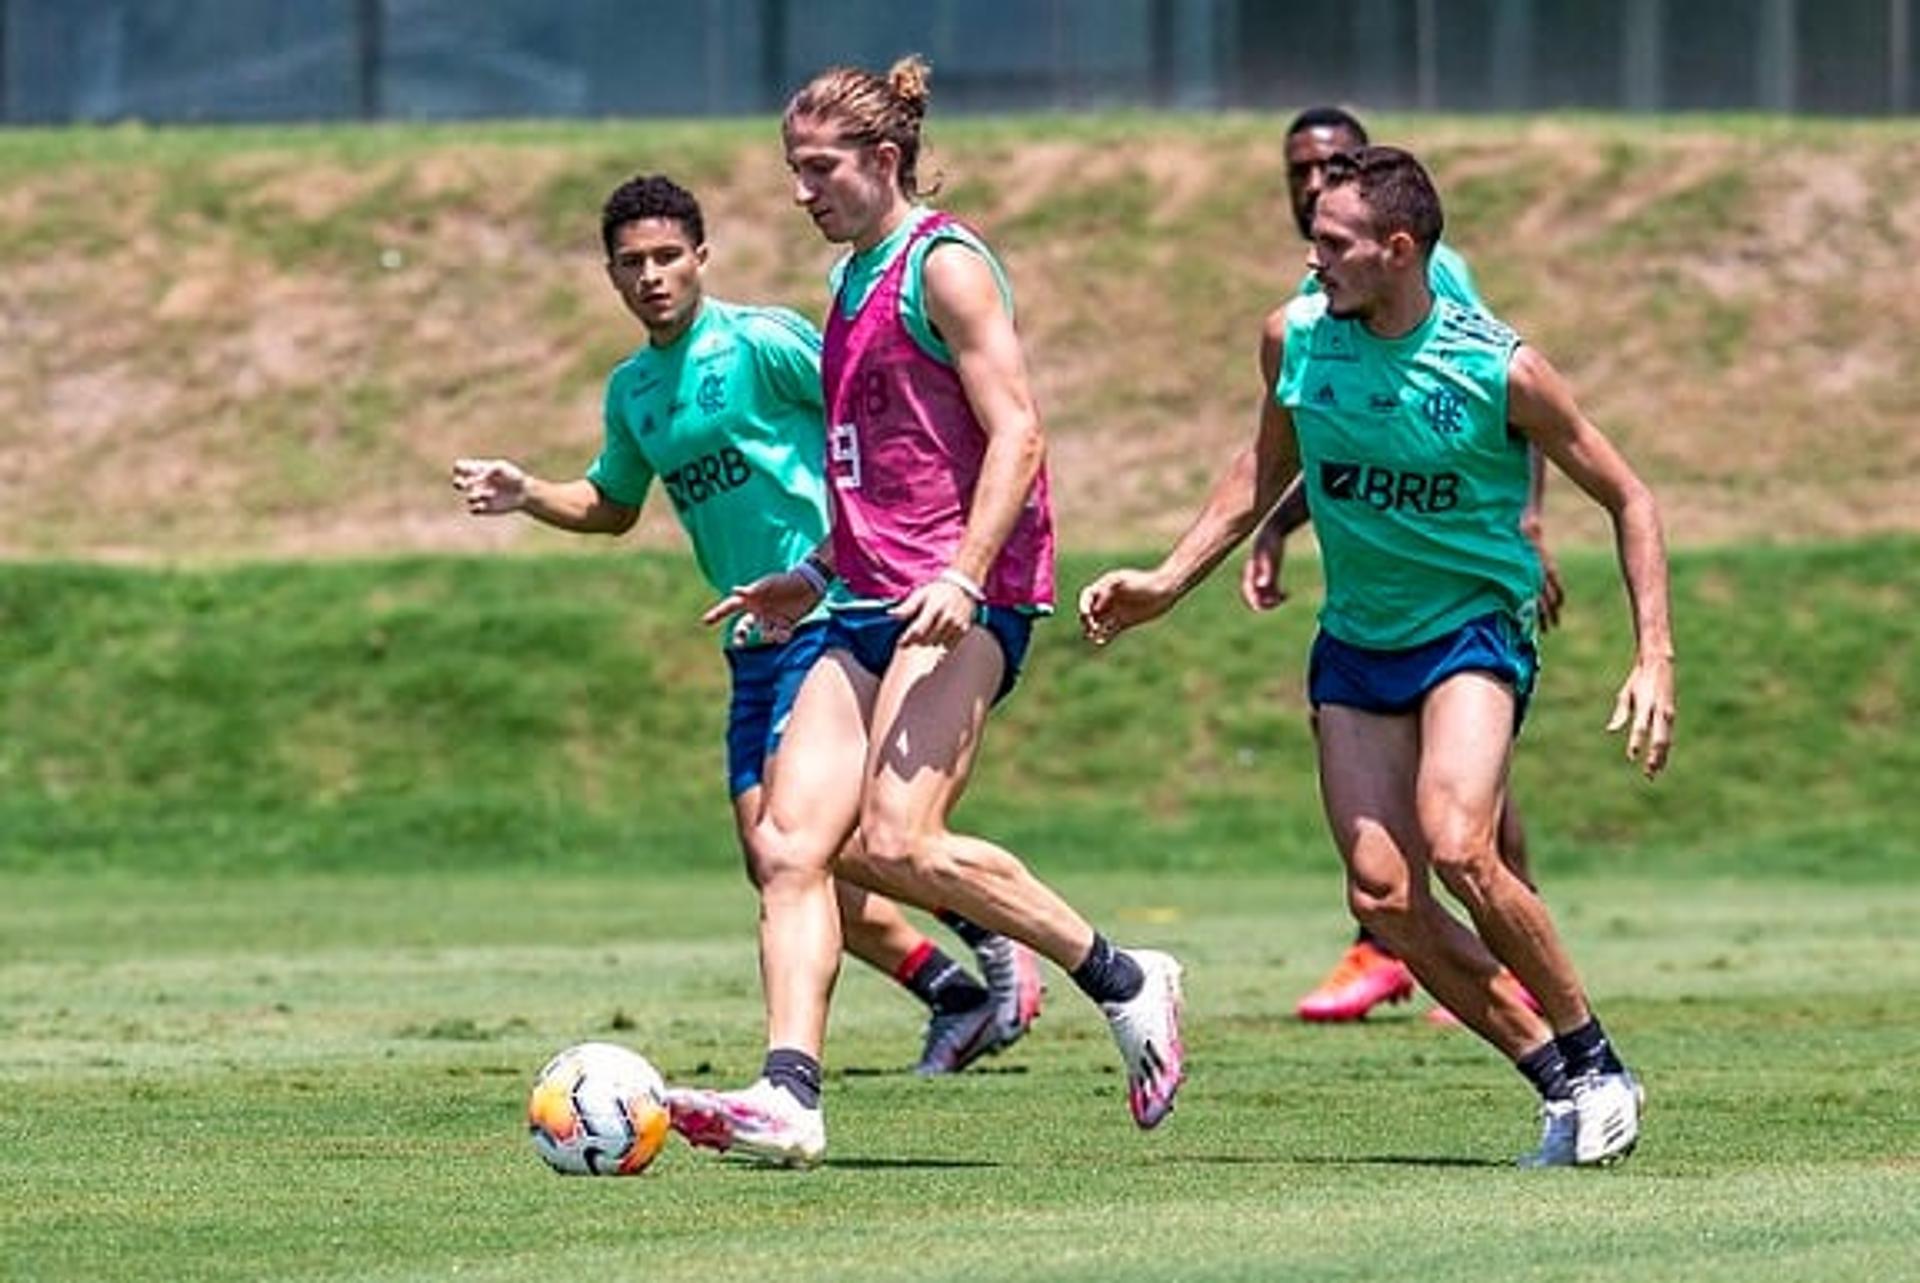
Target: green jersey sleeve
x=621, y=472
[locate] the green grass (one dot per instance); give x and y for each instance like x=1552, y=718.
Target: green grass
x=306, y=867
x=320, y=1077
x=567, y=711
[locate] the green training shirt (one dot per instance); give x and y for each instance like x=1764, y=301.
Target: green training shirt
x=1414, y=480
x=728, y=418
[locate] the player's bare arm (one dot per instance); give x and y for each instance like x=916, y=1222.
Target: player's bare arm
x=1541, y=405
x=1260, y=586
x=1533, y=524
x=1252, y=484
x=495, y=487
x=963, y=301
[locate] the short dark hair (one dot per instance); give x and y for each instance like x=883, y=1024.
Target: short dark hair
x=1395, y=187
x=651, y=196
x=1327, y=116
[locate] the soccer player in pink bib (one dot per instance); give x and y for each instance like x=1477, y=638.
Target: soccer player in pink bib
x=942, y=538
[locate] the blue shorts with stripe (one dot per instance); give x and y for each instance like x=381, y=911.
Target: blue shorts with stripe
x=1396, y=681
x=766, y=679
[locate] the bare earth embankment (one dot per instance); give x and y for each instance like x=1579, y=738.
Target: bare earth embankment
x=231, y=344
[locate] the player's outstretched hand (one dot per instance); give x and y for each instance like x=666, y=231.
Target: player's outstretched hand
x=1260, y=576
x=778, y=601
x=1118, y=600
x=937, y=613
x=490, y=486
x=1645, y=708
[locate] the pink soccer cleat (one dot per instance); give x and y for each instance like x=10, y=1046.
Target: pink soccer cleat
x=761, y=1121
x=1146, y=1027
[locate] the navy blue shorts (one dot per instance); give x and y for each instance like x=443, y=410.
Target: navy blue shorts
x=766, y=679
x=1396, y=681
x=871, y=635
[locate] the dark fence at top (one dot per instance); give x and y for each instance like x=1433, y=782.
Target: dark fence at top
x=275, y=60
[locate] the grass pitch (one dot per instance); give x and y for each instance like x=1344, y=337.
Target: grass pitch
x=304, y=870
x=322, y=1077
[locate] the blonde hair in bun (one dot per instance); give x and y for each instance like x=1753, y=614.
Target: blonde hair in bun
x=869, y=110
x=908, y=79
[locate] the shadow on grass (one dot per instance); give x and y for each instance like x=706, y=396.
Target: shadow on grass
x=745, y=1162
x=907, y=1071
x=1327, y=1160
x=1396, y=1160
x=910, y=1164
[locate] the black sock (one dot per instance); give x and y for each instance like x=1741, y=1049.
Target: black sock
x=1587, y=1050
x=971, y=932
x=943, y=984
x=1546, y=1068
x=796, y=1072
x=1108, y=975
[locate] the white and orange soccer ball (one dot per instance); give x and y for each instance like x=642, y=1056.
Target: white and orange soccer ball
x=598, y=1109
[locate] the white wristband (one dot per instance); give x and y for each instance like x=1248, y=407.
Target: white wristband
x=960, y=580
x=811, y=573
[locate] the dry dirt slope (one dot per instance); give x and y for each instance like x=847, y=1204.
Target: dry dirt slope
x=269, y=344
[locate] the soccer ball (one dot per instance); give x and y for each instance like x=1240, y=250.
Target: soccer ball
x=598, y=1110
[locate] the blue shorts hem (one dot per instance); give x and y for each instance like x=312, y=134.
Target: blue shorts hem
x=1396, y=682
x=871, y=635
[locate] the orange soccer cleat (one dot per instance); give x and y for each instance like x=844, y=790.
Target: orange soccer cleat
x=1365, y=977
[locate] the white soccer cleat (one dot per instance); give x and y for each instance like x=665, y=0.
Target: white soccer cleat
x=1608, y=1108
x=1559, y=1125
x=1013, y=978
x=761, y=1121
x=955, y=1039
x=1146, y=1028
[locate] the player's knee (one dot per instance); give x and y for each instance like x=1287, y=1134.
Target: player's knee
x=774, y=861
x=1466, y=866
x=1384, y=910
x=750, y=865
x=908, y=852
x=752, y=857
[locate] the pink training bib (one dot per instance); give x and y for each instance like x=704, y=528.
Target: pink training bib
x=904, y=452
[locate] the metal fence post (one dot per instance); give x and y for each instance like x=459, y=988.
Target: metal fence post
x=1426, y=54
x=1160, y=52
x=369, y=53
x=773, y=54
x=1899, y=56
x=1642, y=56
x=1777, y=56
x=1512, y=66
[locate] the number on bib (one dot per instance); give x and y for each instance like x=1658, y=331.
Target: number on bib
x=843, y=456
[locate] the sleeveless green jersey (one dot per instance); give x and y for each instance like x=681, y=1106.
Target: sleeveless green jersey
x=1447, y=275
x=728, y=417
x=1413, y=478
x=861, y=271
